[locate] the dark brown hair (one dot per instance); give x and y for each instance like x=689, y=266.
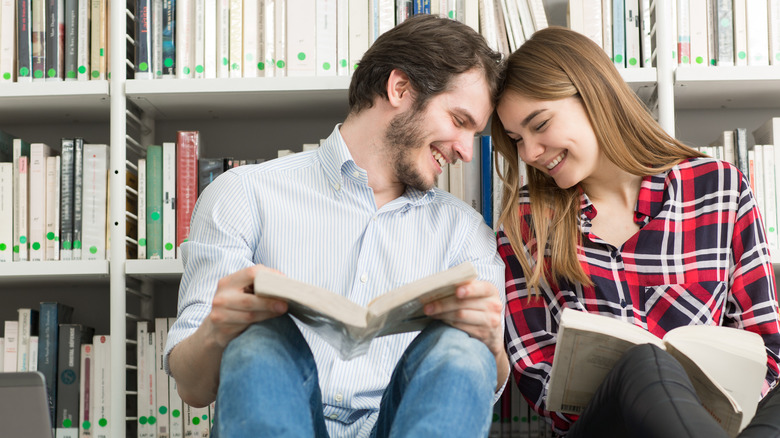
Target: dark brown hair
x=430, y=50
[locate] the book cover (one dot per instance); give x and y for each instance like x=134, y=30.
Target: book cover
x=154, y=202
x=67, y=167
x=39, y=152
x=349, y=327
x=71, y=337
x=28, y=327
x=94, y=206
x=169, y=200
x=78, y=196
x=24, y=47
x=55, y=40
x=53, y=208
x=6, y=212
x=187, y=151
x=589, y=345
x=51, y=315
x=101, y=386
x=11, y=352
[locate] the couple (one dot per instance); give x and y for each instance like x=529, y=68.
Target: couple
x=360, y=215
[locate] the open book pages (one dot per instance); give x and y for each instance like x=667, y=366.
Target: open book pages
x=349, y=327
x=589, y=345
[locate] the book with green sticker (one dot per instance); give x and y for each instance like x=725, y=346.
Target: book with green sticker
x=78, y=194
x=72, y=337
x=154, y=202
x=94, y=202
x=66, y=198
x=101, y=387
x=6, y=212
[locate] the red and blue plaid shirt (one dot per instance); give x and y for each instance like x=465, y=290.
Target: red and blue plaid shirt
x=700, y=257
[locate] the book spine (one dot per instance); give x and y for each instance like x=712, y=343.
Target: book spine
x=39, y=152
x=697, y=20
x=21, y=237
x=210, y=39
x=740, y=32
x=154, y=202
x=169, y=38
x=6, y=212
x=55, y=40
x=39, y=39
x=28, y=326
x=101, y=387
x=774, y=32
x=66, y=195
x=269, y=41
x=757, y=32
x=157, y=38
x=358, y=32
x=741, y=148
x=53, y=208
x=71, y=40
x=633, y=36
x=251, y=44
x=143, y=395
x=143, y=40
x=69, y=371
x=141, y=208
x=619, y=34
x=78, y=196
x=97, y=44
x=94, y=201
x=51, y=315
x=199, y=44
x=187, y=146
x=185, y=10
x=82, y=41
x=486, y=180
x=280, y=36
x=169, y=200
x=770, y=196
x=683, y=32
x=7, y=41
x=472, y=177
x=11, y=353
x=456, y=180
x=86, y=409
x=161, y=379
x=342, y=37
x=234, y=47
x=24, y=48
x=301, y=44
x=724, y=25
x=175, y=403
x=326, y=37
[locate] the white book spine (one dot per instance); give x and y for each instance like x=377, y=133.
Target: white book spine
x=199, y=43
x=770, y=196
x=487, y=23
x=358, y=32
x=23, y=339
x=6, y=212
x=142, y=208
x=269, y=42
x=142, y=389
x=646, y=29
x=456, y=180
x=740, y=32
x=327, y=37
x=514, y=28
x=211, y=61
x=236, y=34
x=161, y=380
x=633, y=35
x=757, y=176
x=525, y=18
x=37, y=235
x=301, y=38
x=7, y=41
x=11, y=354
x=386, y=15
x=223, y=38
x=698, y=25
x=93, y=200
x=592, y=22
x=82, y=41
x=169, y=195
x=185, y=33
x=33, y=353
x=176, y=405
x=683, y=32
x=196, y=422
x=342, y=37
x=157, y=38
x=53, y=208
x=443, y=180
x=2, y=355
x=21, y=230
x=757, y=32
x=150, y=379
x=472, y=15
x=538, y=13
x=280, y=37
x=774, y=32
x=101, y=387
x=250, y=27
x=723, y=24
x=606, y=27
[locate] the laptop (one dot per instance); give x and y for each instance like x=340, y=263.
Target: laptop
x=24, y=409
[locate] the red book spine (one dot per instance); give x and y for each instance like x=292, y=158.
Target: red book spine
x=187, y=146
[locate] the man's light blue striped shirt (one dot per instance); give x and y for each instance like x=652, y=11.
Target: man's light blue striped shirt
x=313, y=217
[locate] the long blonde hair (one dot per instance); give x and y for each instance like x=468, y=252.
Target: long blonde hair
x=556, y=63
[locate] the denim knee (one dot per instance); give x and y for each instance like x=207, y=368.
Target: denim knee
x=462, y=353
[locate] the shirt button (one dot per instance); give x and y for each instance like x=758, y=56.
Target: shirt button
x=364, y=278
x=614, y=254
x=337, y=186
x=356, y=174
x=623, y=303
x=334, y=416
x=339, y=397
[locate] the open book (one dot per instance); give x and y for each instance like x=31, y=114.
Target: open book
x=726, y=365
x=349, y=327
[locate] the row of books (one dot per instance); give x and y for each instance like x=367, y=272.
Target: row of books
x=706, y=32
x=74, y=361
x=53, y=203
x=513, y=417
x=758, y=163
x=252, y=38
x=53, y=40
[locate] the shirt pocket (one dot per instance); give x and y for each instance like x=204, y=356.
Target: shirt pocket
x=673, y=305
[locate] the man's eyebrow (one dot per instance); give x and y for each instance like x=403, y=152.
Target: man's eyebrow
x=531, y=116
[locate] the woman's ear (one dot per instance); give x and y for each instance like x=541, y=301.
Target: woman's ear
x=399, y=89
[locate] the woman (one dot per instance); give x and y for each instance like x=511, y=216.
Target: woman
x=621, y=219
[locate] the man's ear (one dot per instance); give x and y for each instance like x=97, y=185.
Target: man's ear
x=399, y=89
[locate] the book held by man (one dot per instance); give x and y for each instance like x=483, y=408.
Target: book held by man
x=349, y=327
x=726, y=365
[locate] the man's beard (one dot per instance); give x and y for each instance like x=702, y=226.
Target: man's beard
x=403, y=136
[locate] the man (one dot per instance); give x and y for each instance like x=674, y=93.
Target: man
x=359, y=216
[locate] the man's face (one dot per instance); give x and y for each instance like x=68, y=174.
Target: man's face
x=420, y=142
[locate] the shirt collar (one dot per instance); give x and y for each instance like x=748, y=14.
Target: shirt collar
x=648, y=205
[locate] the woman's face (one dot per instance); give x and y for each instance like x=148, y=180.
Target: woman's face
x=553, y=136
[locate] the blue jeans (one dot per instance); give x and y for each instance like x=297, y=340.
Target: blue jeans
x=442, y=386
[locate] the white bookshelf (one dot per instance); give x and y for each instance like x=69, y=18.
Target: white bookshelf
x=693, y=101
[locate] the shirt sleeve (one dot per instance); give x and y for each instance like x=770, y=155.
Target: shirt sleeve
x=752, y=303
x=531, y=334
x=222, y=234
